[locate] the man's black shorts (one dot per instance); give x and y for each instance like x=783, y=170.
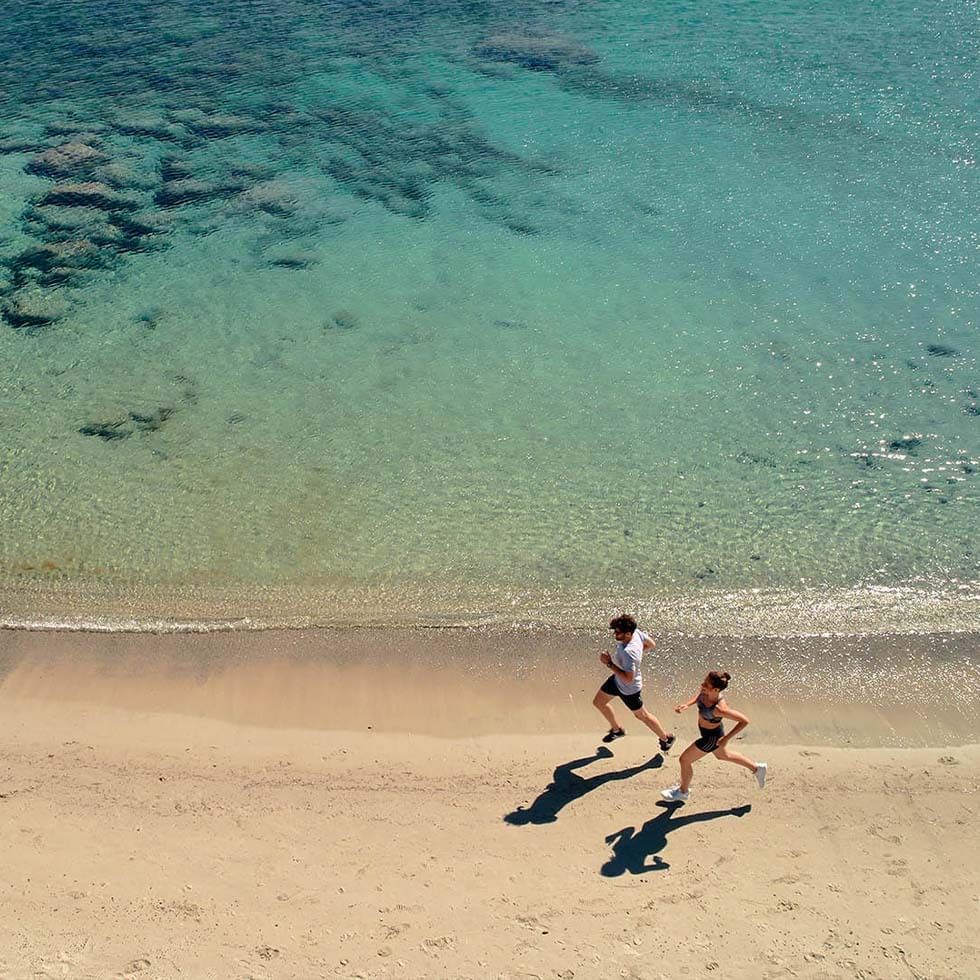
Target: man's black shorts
x=632, y=701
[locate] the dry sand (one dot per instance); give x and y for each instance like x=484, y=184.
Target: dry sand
x=210, y=840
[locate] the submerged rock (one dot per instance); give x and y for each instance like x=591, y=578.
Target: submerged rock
x=123, y=428
x=108, y=431
x=68, y=128
x=272, y=196
x=150, y=318
x=20, y=144
x=78, y=252
x=253, y=169
x=147, y=124
x=73, y=159
x=61, y=275
x=908, y=444
x=295, y=260
x=756, y=459
x=91, y=194
x=52, y=219
x=536, y=50
x=219, y=126
x=183, y=191
x=189, y=190
x=404, y=206
x=33, y=308
x=151, y=421
x=144, y=223
x=57, y=263
x=865, y=459
x=519, y=226
x=175, y=168
x=124, y=177
x=941, y=350
x=342, y=320
x=484, y=196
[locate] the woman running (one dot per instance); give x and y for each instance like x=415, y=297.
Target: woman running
x=712, y=710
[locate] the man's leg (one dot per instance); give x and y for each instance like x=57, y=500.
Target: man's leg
x=652, y=723
x=601, y=701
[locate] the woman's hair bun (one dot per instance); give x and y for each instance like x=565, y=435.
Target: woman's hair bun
x=719, y=680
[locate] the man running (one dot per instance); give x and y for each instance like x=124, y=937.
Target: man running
x=625, y=682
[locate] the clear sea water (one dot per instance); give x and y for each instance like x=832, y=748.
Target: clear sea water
x=421, y=312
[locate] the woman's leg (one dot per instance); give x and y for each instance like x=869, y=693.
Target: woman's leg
x=689, y=756
x=726, y=755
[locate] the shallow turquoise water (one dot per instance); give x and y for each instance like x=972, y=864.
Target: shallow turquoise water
x=429, y=299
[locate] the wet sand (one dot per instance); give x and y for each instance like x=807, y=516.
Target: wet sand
x=861, y=691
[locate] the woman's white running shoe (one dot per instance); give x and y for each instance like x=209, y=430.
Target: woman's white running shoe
x=761, y=768
x=675, y=794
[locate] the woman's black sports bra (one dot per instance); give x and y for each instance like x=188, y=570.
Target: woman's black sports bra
x=708, y=712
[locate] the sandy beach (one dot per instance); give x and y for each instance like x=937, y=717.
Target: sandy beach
x=174, y=823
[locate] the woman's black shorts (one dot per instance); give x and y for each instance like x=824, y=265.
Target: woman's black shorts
x=708, y=741
x=632, y=701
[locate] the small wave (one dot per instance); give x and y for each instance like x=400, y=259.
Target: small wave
x=908, y=608
x=70, y=624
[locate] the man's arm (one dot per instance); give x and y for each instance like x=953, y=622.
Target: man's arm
x=626, y=676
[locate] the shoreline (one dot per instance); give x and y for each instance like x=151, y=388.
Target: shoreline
x=908, y=608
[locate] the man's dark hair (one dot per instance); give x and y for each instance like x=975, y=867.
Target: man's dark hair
x=623, y=624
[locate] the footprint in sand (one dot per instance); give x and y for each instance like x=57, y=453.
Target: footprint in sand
x=790, y=879
x=136, y=966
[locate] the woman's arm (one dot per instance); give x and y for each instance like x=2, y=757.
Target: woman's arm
x=740, y=720
x=687, y=704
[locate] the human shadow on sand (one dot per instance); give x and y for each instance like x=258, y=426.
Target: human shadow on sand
x=632, y=848
x=568, y=786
